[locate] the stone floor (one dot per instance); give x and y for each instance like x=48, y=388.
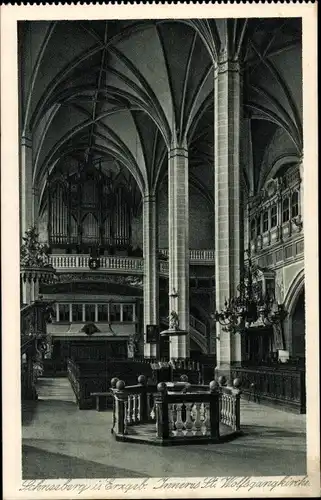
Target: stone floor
x=60, y=441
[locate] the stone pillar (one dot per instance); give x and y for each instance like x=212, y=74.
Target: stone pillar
x=27, y=208
x=178, y=238
x=151, y=309
x=228, y=214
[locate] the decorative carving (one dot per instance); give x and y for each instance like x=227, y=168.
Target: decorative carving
x=133, y=345
x=94, y=263
x=119, y=280
x=298, y=222
x=271, y=188
x=32, y=252
x=278, y=336
x=90, y=329
x=173, y=321
x=279, y=286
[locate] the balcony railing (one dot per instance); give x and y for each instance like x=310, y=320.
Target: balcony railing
x=196, y=256
x=126, y=264
x=280, y=254
x=113, y=263
x=289, y=233
x=197, y=325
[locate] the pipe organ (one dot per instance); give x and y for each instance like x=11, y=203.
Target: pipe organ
x=89, y=209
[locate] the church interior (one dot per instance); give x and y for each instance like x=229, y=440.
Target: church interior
x=162, y=247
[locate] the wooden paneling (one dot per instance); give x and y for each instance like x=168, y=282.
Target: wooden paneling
x=87, y=377
x=274, y=385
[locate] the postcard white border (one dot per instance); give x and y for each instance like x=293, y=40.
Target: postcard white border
x=10, y=234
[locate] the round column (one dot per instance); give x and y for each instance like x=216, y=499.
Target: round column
x=178, y=236
x=151, y=313
x=229, y=245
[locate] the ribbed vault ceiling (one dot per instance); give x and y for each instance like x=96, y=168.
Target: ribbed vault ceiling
x=121, y=90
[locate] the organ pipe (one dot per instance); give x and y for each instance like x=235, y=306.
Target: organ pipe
x=85, y=210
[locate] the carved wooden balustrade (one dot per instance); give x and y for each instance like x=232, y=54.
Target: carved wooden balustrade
x=175, y=412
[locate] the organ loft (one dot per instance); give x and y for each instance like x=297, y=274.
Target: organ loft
x=90, y=210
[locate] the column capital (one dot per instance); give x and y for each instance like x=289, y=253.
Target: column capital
x=225, y=64
x=149, y=198
x=175, y=151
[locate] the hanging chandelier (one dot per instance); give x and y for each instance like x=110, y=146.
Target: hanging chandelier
x=250, y=305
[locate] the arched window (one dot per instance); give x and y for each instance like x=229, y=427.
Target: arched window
x=274, y=216
x=295, y=204
x=285, y=209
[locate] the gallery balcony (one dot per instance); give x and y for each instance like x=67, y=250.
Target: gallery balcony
x=81, y=263
x=123, y=264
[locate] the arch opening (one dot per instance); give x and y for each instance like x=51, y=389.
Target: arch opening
x=298, y=327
